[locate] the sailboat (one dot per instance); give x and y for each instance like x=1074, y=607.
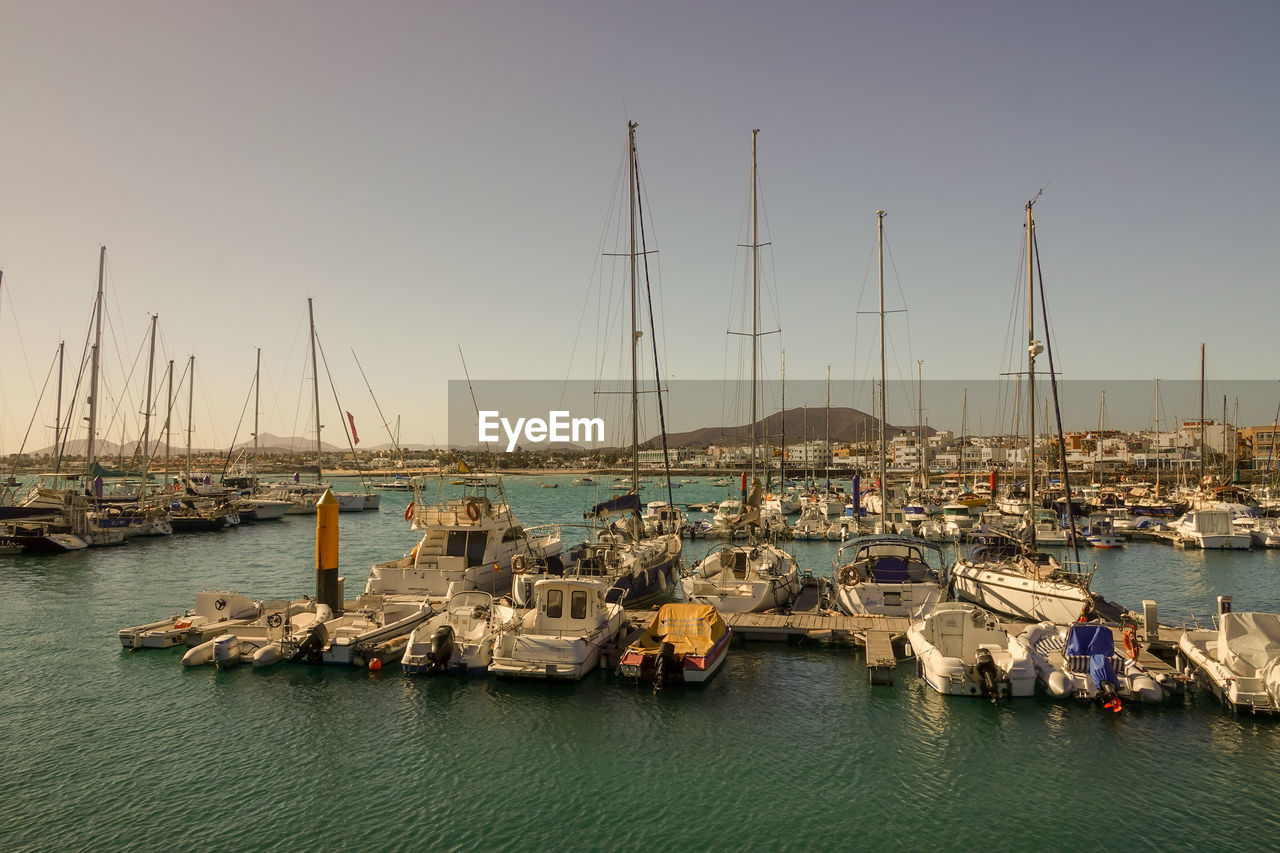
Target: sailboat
x=886, y=574
x=254, y=507
x=1007, y=575
x=75, y=510
x=303, y=496
x=636, y=562
x=757, y=575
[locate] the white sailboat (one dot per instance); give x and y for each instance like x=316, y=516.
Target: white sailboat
x=303, y=496
x=638, y=559
x=1007, y=575
x=757, y=575
x=884, y=574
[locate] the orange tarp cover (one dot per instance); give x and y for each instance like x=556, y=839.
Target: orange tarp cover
x=690, y=628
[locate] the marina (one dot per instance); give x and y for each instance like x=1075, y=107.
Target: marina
x=794, y=678
x=748, y=480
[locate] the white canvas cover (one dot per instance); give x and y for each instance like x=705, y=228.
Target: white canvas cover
x=1213, y=523
x=1249, y=642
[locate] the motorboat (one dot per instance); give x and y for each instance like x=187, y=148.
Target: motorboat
x=886, y=575
x=744, y=578
x=215, y=613
x=1080, y=660
x=376, y=628
x=467, y=543
x=1101, y=532
x=460, y=638
x=261, y=642
x=812, y=524
x=684, y=644
x=1239, y=659
x=961, y=650
x=562, y=636
x=1210, y=529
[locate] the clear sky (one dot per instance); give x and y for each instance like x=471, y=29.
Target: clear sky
x=439, y=174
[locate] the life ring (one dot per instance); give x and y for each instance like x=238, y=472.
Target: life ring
x=473, y=511
x=518, y=564
x=408, y=511
x=1131, y=642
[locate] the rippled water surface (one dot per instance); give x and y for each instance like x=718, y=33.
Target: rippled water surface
x=787, y=748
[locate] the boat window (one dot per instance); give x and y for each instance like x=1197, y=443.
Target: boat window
x=555, y=603
x=476, y=541
x=512, y=534
x=578, y=604
x=457, y=545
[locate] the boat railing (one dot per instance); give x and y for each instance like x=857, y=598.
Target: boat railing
x=1077, y=573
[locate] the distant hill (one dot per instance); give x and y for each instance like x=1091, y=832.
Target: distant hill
x=267, y=444
x=847, y=425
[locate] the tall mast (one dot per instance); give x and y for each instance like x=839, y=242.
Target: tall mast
x=191, y=406
x=146, y=414
x=57, y=423
x=1157, y=438
x=755, y=296
x=826, y=447
x=964, y=428
x=1102, y=411
x=168, y=425
x=782, y=457
x=146, y=419
x=311, y=318
x=93, y=374
x=1033, y=349
x=884, y=485
x=924, y=469
x=635, y=329
x=257, y=399
x=1202, y=439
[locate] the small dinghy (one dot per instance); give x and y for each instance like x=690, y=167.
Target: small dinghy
x=215, y=613
x=1080, y=660
x=962, y=650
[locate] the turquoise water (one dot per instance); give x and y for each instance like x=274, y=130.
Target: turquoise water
x=788, y=748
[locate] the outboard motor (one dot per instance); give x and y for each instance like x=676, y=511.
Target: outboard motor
x=1107, y=696
x=988, y=676
x=669, y=667
x=311, y=649
x=441, y=650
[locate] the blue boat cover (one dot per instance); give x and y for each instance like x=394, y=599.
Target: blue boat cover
x=620, y=504
x=1097, y=642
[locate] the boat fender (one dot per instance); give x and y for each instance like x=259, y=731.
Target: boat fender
x=408, y=512
x=473, y=511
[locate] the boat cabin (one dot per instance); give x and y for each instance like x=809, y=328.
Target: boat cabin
x=565, y=604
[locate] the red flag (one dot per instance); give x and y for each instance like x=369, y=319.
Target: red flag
x=355, y=439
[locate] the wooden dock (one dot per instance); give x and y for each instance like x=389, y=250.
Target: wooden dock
x=883, y=638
